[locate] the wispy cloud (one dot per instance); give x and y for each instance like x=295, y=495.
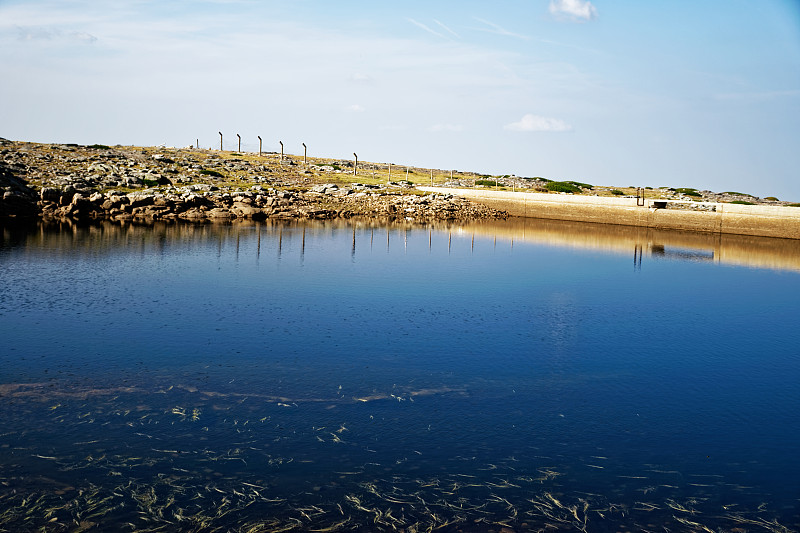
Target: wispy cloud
x=446, y=28
x=531, y=122
x=575, y=10
x=756, y=96
x=446, y=127
x=42, y=33
x=426, y=28
x=498, y=30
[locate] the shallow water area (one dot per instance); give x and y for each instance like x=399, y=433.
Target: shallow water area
x=338, y=376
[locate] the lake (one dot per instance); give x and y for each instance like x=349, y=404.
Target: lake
x=523, y=375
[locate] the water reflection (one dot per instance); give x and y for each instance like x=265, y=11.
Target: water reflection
x=643, y=243
x=739, y=250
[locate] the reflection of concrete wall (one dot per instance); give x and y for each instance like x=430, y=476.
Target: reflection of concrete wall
x=765, y=221
x=744, y=250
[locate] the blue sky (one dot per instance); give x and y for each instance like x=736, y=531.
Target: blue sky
x=656, y=93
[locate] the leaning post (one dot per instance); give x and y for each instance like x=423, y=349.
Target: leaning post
x=220, y=140
x=240, y=142
x=281, y=150
x=305, y=153
x=259, y=146
x=355, y=167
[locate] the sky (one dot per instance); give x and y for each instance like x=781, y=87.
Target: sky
x=702, y=94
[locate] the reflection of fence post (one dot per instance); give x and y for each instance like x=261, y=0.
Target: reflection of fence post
x=259, y=145
x=240, y=142
x=220, y=140
x=305, y=154
x=281, y=150
x=355, y=167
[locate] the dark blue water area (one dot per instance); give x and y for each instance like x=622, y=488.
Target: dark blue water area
x=455, y=379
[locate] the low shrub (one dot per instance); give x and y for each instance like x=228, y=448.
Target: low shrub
x=792, y=205
x=771, y=199
x=99, y=146
x=617, y=192
x=150, y=183
x=561, y=186
x=742, y=202
x=487, y=183
x=212, y=173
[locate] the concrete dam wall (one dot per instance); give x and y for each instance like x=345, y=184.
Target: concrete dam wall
x=757, y=220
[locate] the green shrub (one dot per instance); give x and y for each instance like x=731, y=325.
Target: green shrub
x=616, y=192
x=212, y=173
x=579, y=184
x=771, y=199
x=99, y=146
x=737, y=193
x=561, y=186
x=742, y=202
x=150, y=183
x=688, y=191
x=488, y=183
x=792, y=205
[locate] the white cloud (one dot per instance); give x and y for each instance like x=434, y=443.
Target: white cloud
x=356, y=108
x=578, y=10
x=538, y=123
x=446, y=127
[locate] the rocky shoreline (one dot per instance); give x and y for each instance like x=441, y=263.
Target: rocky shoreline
x=147, y=184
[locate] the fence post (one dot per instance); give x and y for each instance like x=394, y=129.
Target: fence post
x=355, y=167
x=259, y=145
x=240, y=142
x=305, y=154
x=220, y=140
x=281, y=150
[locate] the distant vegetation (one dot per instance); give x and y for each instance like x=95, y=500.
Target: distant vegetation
x=743, y=202
x=616, y=192
x=99, y=146
x=687, y=191
x=733, y=193
x=792, y=205
x=488, y=183
x=771, y=199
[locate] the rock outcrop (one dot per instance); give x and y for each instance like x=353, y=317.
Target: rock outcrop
x=148, y=184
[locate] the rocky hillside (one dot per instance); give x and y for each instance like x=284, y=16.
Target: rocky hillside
x=147, y=184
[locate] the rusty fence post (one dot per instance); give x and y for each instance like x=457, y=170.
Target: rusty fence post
x=240, y=142
x=220, y=140
x=355, y=167
x=305, y=154
x=281, y=150
x=259, y=145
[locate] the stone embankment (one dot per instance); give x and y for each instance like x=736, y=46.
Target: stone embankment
x=714, y=217
x=149, y=184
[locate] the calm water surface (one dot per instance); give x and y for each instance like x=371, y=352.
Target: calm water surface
x=526, y=375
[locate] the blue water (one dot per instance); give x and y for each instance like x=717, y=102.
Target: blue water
x=340, y=377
